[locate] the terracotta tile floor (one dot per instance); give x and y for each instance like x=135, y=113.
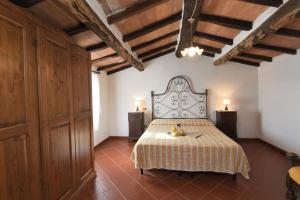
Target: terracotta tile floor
x=117, y=178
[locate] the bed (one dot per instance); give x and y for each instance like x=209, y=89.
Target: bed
x=212, y=151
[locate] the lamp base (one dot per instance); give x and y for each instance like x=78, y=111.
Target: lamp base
x=226, y=108
x=137, y=109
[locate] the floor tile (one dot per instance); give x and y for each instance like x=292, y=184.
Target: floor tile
x=192, y=192
x=159, y=190
x=225, y=193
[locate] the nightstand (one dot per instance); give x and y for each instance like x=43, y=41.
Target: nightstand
x=136, y=125
x=227, y=123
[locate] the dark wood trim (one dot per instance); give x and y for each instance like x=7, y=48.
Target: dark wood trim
x=284, y=15
x=146, y=44
x=153, y=51
x=118, y=69
x=245, y=62
x=158, y=55
x=110, y=56
x=87, y=16
x=208, y=54
x=188, y=28
x=216, y=38
x=288, y=32
x=276, y=48
x=227, y=22
x=110, y=66
x=273, y=3
x=208, y=48
x=133, y=10
x=152, y=27
x=257, y=57
x=76, y=30
x=26, y=3
x=97, y=47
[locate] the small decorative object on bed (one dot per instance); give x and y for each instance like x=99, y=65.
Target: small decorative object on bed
x=213, y=151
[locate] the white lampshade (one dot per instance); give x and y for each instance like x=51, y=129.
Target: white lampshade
x=191, y=51
x=226, y=101
x=137, y=103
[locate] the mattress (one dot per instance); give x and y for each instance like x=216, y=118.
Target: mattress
x=213, y=151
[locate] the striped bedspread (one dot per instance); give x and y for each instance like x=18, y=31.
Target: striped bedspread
x=212, y=151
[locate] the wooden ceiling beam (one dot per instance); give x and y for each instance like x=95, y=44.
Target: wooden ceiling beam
x=284, y=15
x=276, y=48
x=153, y=51
x=110, y=65
x=245, y=62
x=216, y=38
x=110, y=56
x=257, y=57
x=133, y=10
x=273, y=3
x=118, y=69
x=208, y=48
x=26, y=3
x=208, y=54
x=158, y=55
x=76, y=30
x=152, y=27
x=227, y=22
x=88, y=17
x=191, y=11
x=146, y=44
x=288, y=32
x=97, y=47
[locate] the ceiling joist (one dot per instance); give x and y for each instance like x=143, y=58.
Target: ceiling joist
x=276, y=48
x=191, y=12
x=118, y=69
x=256, y=57
x=76, y=30
x=215, y=38
x=146, y=44
x=208, y=48
x=158, y=55
x=105, y=67
x=273, y=3
x=26, y=3
x=133, y=10
x=107, y=57
x=245, y=62
x=153, y=51
x=227, y=22
x=97, y=47
x=281, y=17
x=88, y=17
x=288, y=32
x=152, y=27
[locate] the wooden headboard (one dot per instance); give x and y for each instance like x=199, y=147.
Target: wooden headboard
x=179, y=101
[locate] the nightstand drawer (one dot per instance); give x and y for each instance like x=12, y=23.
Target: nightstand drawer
x=227, y=123
x=135, y=125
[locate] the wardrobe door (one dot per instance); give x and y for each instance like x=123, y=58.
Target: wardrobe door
x=56, y=114
x=81, y=73
x=19, y=137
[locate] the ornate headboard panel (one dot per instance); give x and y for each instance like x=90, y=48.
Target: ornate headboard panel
x=179, y=101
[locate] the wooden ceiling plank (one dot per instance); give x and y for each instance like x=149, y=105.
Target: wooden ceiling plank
x=208, y=48
x=257, y=57
x=284, y=15
x=26, y=3
x=88, y=17
x=133, y=10
x=273, y=3
x=158, y=55
x=227, y=22
x=208, y=54
x=288, y=32
x=146, y=44
x=276, y=48
x=245, y=62
x=76, y=30
x=97, y=47
x=153, y=51
x=110, y=56
x=110, y=66
x=191, y=11
x=151, y=27
x=118, y=69
x=216, y=38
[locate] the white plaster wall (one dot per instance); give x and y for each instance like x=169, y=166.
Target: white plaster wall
x=99, y=96
x=235, y=81
x=279, y=102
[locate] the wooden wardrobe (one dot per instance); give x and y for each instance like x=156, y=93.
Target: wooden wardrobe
x=46, y=143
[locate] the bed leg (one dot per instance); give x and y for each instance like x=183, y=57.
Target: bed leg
x=234, y=177
x=142, y=171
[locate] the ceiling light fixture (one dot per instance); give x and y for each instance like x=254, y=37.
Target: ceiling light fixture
x=192, y=50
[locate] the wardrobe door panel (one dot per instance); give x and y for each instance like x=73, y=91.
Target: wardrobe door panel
x=19, y=149
x=81, y=73
x=56, y=114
